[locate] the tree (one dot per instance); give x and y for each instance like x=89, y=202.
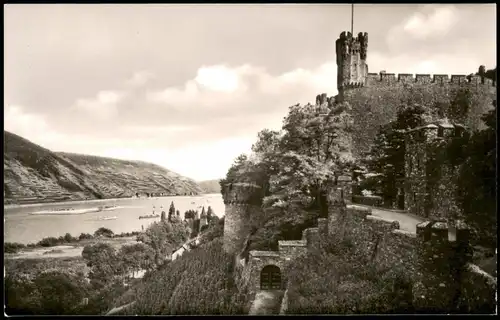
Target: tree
x=314, y=147
x=234, y=171
x=84, y=236
x=477, y=184
x=136, y=257
x=59, y=292
x=102, y=260
x=105, y=232
x=68, y=238
x=163, y=237
x=210, y=214
x=190, y=214
x=171, y=211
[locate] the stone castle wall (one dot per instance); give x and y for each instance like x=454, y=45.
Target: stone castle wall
x=437, y=262
x=376, y=102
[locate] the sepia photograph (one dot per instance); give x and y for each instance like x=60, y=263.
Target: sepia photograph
x=250, y=159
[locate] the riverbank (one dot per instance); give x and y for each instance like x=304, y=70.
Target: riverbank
x=63, y=202
x=70, y=250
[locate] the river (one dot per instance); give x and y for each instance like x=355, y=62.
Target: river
x=23, y=227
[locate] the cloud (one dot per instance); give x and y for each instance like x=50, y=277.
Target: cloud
x=235, y=88
x=433, y=22
x=103, y=106
x=218, y=78
x=432, y=28
x=140, y=78
x=28, y=125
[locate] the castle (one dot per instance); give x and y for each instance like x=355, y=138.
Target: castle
x=376, y=97
x=436, y=257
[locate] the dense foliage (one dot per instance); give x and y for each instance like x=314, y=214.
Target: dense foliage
x=293, y=168
x=163, y=237
x=198, y=283
x=476, y=192
x=335, y=281
x=49, y=293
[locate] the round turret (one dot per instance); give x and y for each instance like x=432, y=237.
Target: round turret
x=240, y=199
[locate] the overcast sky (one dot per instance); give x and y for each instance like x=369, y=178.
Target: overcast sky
x=188, y=87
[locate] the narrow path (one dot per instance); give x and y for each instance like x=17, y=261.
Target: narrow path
x=407, y=221
x=266, y=302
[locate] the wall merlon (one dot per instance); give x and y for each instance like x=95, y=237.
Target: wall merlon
x=388, y=77
x=423, y=78
x=440, y=78
x=458, y=79
x=406, y=78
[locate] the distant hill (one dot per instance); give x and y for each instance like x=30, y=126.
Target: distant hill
x=210, y=186
x=34, y=174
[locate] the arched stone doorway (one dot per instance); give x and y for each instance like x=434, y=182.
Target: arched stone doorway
x=270, y=278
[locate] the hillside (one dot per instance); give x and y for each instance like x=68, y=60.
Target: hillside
x=34, y=174
x=210, y=186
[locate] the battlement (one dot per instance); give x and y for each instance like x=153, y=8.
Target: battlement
x=376, y=79
x=241, y=193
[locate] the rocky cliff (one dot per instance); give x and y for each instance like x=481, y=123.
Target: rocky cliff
x=34, y=174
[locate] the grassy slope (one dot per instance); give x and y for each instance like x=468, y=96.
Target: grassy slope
x=35, y=174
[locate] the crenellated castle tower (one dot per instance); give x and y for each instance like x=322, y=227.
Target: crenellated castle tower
x=351, y=59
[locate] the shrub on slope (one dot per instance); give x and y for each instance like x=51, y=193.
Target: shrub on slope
x=335, y=281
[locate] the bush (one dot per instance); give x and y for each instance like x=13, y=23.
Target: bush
x=335, y=281
x=105, y=232
x=50, y=293
x=85, y=236
x=49, y=242
x=13, y=247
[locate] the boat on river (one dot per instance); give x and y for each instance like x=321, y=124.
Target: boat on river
x=149, y=216
x=108, y=218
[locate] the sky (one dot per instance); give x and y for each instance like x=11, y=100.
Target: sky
x=188, y=87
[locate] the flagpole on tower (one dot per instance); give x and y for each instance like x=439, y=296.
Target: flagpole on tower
x=352, y=19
